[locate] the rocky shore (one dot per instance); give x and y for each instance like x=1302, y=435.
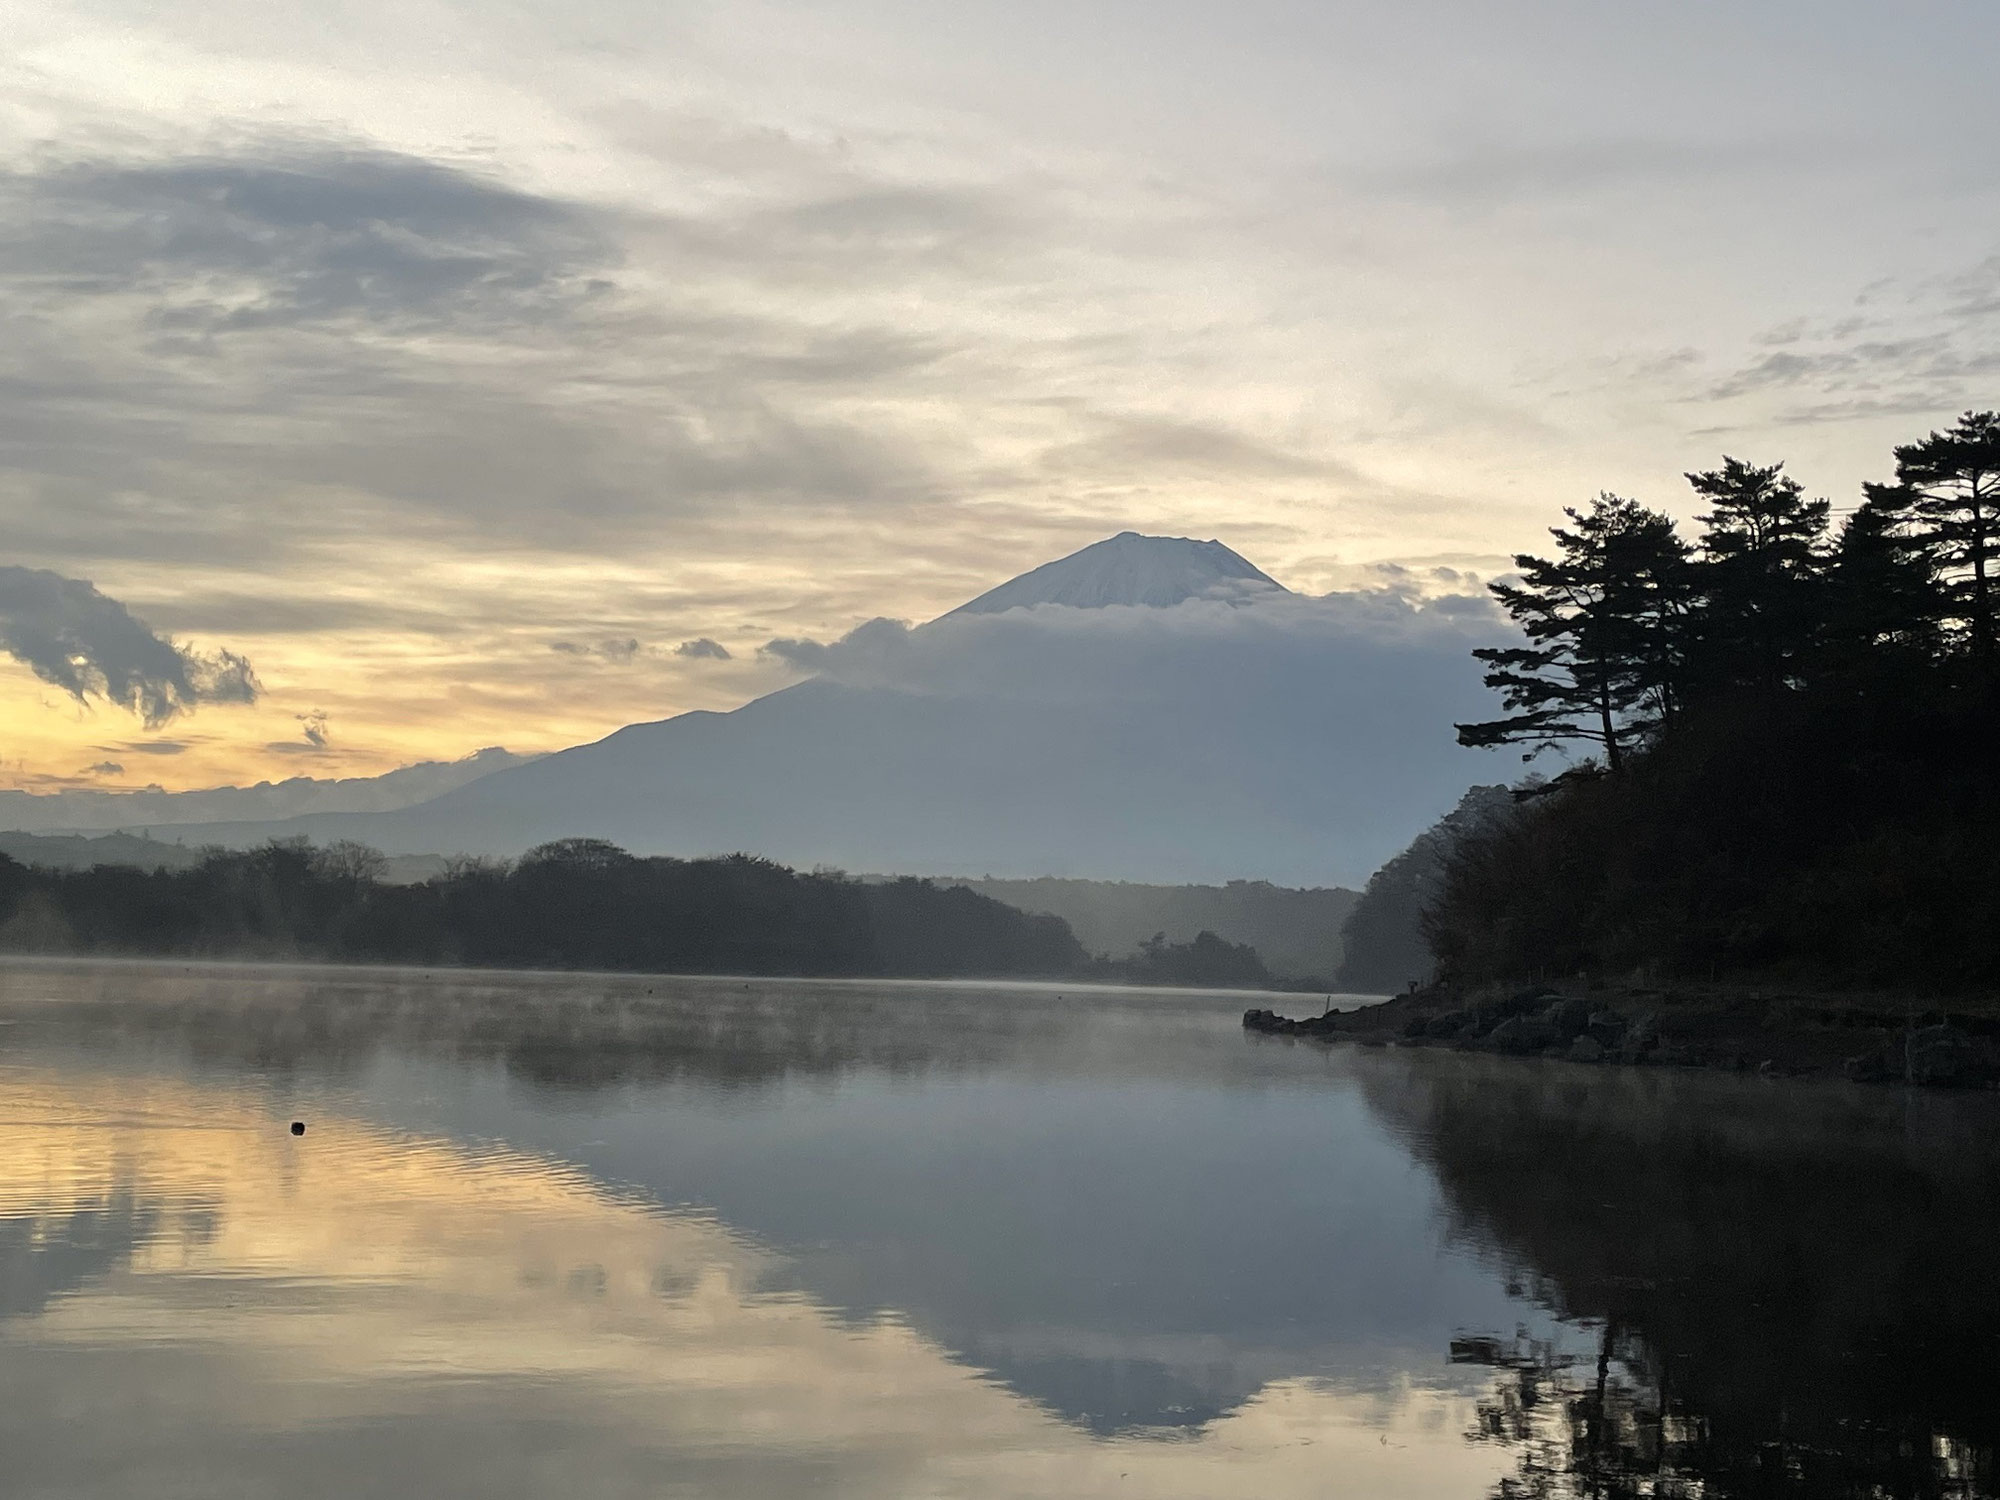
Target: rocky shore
x=1872, y=1040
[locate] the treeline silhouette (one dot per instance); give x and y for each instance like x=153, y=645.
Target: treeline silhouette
x=573, y=904
x=1790, y=729
x=1205, y=961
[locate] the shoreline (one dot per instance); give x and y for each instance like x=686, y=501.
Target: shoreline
x=1767, y=1031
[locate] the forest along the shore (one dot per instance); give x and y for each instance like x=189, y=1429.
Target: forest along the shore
x=574, y=904
x=1778, y=847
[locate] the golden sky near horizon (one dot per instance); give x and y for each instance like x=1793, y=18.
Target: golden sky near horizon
x=460, y=365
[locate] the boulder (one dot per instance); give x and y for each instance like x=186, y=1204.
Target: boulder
x=1607, y=1028
x=1868, y=1067
x=1527, y=1002
x=1586, y=1049
x=1940, y=1055
x=1568, y=1017
x=1522, y=1035
x=1450, y=1024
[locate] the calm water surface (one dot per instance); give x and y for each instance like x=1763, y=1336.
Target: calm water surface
x=606, y=1236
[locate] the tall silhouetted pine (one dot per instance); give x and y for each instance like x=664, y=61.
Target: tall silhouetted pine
x=1953, y=478
x=1603, y=626
x=1761, y=580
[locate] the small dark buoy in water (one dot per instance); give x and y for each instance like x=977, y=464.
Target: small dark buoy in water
x=298, y=1127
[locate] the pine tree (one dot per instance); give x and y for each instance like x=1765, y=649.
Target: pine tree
x=1604, y=627
x=1763, y=564
x=1954, y=480
x=1885, y=609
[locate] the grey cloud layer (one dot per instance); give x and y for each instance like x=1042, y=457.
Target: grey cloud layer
x=618, y=651
x=90, y=645
x=196, y=343
x=311, y=236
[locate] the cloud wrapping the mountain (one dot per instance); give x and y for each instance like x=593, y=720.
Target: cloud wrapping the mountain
x=74, y=637
x=1138, y=651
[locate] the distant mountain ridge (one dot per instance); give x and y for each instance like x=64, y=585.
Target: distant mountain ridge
x=87, y=809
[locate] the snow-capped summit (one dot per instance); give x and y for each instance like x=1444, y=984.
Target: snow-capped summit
x=1128, y=568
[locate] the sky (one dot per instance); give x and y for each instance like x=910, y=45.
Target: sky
x=383, y=381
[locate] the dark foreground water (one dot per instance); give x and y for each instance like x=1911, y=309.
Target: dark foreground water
x=582, y=1236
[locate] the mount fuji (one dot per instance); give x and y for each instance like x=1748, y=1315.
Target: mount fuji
x=1155, y=571
x=1149, y=708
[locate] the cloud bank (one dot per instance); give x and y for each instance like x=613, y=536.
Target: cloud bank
x=1137, y=651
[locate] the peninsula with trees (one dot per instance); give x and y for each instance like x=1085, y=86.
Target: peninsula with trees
x=1776, y=839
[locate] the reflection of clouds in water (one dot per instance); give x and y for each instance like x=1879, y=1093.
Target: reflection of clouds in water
x=386, y=1312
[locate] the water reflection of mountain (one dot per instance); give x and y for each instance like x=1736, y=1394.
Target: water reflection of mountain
x=1792, y=1290
x=1121, y=1211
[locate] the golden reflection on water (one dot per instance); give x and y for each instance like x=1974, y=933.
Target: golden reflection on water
x=210, y=1306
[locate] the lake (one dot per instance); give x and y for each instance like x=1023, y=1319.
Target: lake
x=610, y=1235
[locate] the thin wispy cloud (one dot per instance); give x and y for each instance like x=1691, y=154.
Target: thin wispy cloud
x=615, y=651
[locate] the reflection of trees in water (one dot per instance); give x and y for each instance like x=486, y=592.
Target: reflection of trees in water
x=1612, y=1429
x=1792, y=1291
x=1602, y=1426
